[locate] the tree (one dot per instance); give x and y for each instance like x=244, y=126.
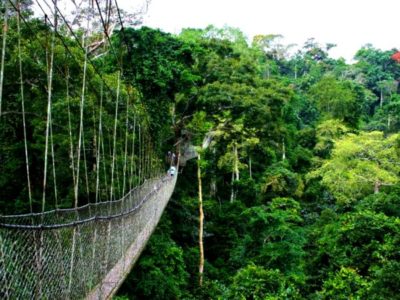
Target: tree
x=327, y=132
x=279, y=180
x=161, y=273
x=387, y=118
x=336, y=99
x=273, y=237
x=255, y=282
x=344, y=284
x=360, y=165
x=378, y=70
x=159, y=66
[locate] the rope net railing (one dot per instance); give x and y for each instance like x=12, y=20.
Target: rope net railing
x=84, y=252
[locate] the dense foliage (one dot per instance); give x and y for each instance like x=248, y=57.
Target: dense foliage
x=300, y=164
x=299, y=157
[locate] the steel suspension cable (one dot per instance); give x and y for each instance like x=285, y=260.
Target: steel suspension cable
x=132, y=154
x=71, y=143
x=120, y=74
x=80, y=142
x=33, y=34
x=82, y=102
x=115, y=137
x=3, y=53
x=49, y=98
x=104, y=164
x=99, y=135
x=107, y=35
x=76, y=38
x=109, y=39
x=51, y=139
x=126, y=145
x=85, y=165
x=53, y=164
x=23, y=111
x=140, y=155
x=147, y=160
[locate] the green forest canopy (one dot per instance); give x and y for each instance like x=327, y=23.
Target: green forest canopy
x=300, y=178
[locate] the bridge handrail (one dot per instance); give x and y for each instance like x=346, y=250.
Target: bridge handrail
x=113, y=209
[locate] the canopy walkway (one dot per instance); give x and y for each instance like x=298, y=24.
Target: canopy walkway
x=76, y=153
x=78, y=253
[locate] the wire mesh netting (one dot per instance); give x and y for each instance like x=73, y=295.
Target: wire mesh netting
x=79, y=253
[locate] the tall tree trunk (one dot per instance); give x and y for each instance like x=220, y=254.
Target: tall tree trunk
x=377, y=186
x=381, y=98
x=250, y=171
x=201, y=222
x=232, y=190
x=213, y=187
x=236, y=162
x=283, y=149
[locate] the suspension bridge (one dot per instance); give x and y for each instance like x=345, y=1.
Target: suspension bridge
x=83, y=252
x=77, y=162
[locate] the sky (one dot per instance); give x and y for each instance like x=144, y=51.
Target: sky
x=348, y=23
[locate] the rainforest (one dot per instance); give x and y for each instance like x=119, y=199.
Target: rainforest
x=293, y=189
x=299, y=161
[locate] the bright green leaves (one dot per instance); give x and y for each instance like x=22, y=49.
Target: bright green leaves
x=327, y=132
x=255, y=282
x=343, y=285
x=360, y=165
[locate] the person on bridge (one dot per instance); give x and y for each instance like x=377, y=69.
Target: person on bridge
x=172, y=171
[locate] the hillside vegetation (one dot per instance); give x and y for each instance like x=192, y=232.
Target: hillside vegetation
x=300, y=175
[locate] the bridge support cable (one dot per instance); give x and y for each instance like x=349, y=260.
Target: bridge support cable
x=51, y=126
x=48, y=118
x=98, y=145
x=81, y=109
x=114, y=149
x=53, y=160
x=124, y=174
x=85, y=167
x=104, y=166
x=3, y=52
x=132, y=172
x=71, y=142
x=140, y=156
x=23, y=110
x=75, y=233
